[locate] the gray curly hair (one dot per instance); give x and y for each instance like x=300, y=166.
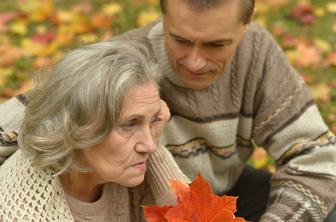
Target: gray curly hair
x=77, y=104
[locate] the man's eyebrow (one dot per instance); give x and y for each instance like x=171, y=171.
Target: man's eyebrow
x=218, y=41
x=177, y=36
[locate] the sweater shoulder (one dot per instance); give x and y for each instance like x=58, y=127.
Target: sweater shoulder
x=30, y=193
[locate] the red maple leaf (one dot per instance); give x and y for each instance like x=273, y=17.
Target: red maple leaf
x=304, y=12
x=195, y=202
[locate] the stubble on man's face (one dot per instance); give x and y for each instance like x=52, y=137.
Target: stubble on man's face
x=201, y=44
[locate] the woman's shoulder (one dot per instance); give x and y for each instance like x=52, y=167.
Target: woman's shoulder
x=27, y=192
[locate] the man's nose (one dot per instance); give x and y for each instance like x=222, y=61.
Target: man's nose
x=147, y=143
x=195, y=60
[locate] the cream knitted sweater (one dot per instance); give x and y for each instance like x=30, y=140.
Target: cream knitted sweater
x=30, y=194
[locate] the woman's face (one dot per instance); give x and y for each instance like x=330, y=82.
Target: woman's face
x=122, y=157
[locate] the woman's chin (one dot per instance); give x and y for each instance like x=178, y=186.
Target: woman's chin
x=133, y=181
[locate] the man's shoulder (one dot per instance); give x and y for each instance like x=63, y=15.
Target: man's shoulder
x=256, y=30
x=12, y=113
x=11, y=116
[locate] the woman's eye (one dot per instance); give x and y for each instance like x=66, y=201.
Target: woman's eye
x=129, y=125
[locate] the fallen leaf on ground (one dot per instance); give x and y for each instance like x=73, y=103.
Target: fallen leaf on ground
x=112, y=9
x=304, y=13
x=321, y=92
x=44, y=37
x=83, y=7
x=147, y=17
x=101, y=21
x=331, y=7
x=9, y=54
x=19, y=27
x=322, y=45
x=331, y=59
x=5, y=17
x=309, y=56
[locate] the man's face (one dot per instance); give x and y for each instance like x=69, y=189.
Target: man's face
x=200, y=44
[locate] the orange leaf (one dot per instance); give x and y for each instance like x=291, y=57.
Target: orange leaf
x=198, y=203
x=155, y=213
x=331, y=59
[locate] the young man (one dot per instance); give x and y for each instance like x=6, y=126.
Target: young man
x=229, y=86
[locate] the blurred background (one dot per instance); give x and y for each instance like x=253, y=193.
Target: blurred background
x=35, y=34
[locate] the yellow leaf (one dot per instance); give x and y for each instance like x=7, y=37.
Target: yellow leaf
x=19, y=28
x=5, y=73
x=88, y=38
x=147, y=17
x=66, y=16
x=40, y=29
x=334, y=27
x=40, y=14
x=31, y=48
x=80, y=25
x=152, y=2
x=50, y=49
x=322, y=45
x=262, y=20
x=112, y=9
x=292, y=55
x=321, y=92
x=262, y=7
x=319, y=12
x=331, y=7
x=65, y=35
x=28, y=5
x=57, y=57
x=4, y=39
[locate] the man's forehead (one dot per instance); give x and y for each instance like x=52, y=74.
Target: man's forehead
x=203, y=37
x=200, y=6
x=181, y=14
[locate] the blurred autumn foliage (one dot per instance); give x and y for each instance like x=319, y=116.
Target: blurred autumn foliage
x=36, y=33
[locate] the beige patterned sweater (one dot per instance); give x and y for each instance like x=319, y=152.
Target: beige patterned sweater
x=260, y=99
x=30, y=194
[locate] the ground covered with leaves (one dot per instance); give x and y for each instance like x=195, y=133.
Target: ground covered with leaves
x=36, y=33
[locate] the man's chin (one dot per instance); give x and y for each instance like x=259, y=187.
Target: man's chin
x=196, y=85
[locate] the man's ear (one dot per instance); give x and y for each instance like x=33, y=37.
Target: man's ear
x=250, y=19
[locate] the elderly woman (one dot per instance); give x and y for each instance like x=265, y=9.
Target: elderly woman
x=88, y=142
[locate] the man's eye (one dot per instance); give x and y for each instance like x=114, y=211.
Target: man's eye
x=219, y=44
x=215, y=45
x=155, y=120
x=182, y=41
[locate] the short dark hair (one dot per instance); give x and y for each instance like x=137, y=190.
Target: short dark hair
x=247, y=7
